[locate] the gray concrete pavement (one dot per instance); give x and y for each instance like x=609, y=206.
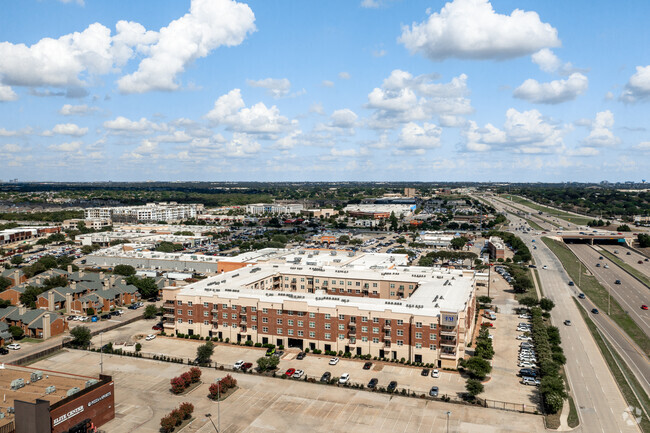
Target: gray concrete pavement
x=601, y=406
x=632, y=259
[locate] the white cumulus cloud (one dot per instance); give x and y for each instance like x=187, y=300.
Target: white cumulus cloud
x=415, y=136
x=7, y=94
x=230, y=110
x=72, y=146
x=276, y=87
x=122, y=125
x=209, y=25
x=344, y=118
x=554, y=92
x=638, y=87
x=68, y=129
x=601, y=134
x=71, y=110
x=471, y=29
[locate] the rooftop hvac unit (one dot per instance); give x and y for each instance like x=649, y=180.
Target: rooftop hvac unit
x=50, y=389
x=2, y=415
x=72, y=391
x=11, y=409
x=37, y=375
x=91, y=382
x=17, y=383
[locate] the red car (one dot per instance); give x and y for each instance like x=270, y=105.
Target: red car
x=246, y=366
x=290, y=372
x=157, y=328
x=644, y=307
x=487, y=324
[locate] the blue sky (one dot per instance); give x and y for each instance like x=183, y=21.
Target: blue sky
x=468, y=90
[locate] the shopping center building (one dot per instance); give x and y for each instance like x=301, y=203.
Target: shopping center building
x=352, y=302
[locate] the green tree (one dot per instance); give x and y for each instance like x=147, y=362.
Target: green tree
x=81, y=335
x=546, y=304
x=528, y=301
x=4, y=283
x=17, y=259
x=474, y=387
x=29, y=296
x=393, y=222
x=138, y=347
x=204, y=352
x=458, y=243
x=400, y=240
x=266, y=363
x=624, y=228
x=344, y=239
x=477, y=367
x=125, y=270
x=16, y=332
x=146, y=286
x=644, y=240
x=150, y=311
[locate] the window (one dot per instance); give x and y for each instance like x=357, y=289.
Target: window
x=312, y=334
x=278, y=321
x=334, y=282
x=317, y=280
x=342, y=290
x=191, y=322
x=233, y=315
x=328, y=326
x=234, y=307
x=342, y=283
x=374, y=292
x=400, y=342
x=374, y=284
x=253, y=309
x=357, y=291
x=400, y=322
x=300, y=333
x=375, y=330
x=205, y=322
x=364, y=319
x=290, y=331
x=432, y=325
x=301, y=313
x=180, y=311
x=432, y=336
x=189, y=303
x=418, y=324
x=375, y=340
x=205, y=314
x=392, y=293
x=312, y=324
x=328, y=316
x=410, y=286
x=254, y=318
x=375, y=320
x=265, y=320
x=392, y=286
x=418, y=345
x=225, y=305
x=190, y=312
x=432, y=347
x=349, y=283
x=341, y=327
x=290, y=322
x=341, y=316
x=179, y=302
x=358, y=283
x=180, y=320
x=364, y=339
x=418, y=335
x=265, y=310
x=328, y=336
x=312, y=315
x=279, y=331
x=254, y=327
x=265, y=329
x=290, y=313
x=234, y=325
x=205, y=305
x=341, y=336
x=279, y=312
x=364, y=329
x=400, y=333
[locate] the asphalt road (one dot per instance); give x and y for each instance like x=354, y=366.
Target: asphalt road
x=630, y=294
x=601, y=405
x=632, y=259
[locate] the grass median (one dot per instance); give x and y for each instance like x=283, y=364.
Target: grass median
x=534, y=225
x=598, y=294
x=626, y=381
x=574, y=219
x=634, y=272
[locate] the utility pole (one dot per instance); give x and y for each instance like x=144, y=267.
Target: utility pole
x=448, y=413
x=101, y=353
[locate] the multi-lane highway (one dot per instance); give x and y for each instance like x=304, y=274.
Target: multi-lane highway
x=632, y=259
x=600, y=404
x=630, y=293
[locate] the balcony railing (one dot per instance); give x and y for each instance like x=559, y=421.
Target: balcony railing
x=168, y=324
x=451, y=343
x=448, y=355
x=169, y=316
x=449, y=333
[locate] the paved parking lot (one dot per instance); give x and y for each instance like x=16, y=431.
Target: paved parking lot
x=271, y=405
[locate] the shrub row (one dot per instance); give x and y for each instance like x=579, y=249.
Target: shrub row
x=222, y=386
x=182, y=382
x=175, y=418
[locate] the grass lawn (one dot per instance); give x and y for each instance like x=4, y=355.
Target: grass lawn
x=534, y=225
x=573, y=420
x=630, y=388
x=597, y=293
x=31, y=340
x=574, y=219
x=639, y=275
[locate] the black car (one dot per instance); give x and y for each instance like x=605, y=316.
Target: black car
x=617, y=282
x=372, y=384
x=3, y=351
x=581, y=296
x=594, y=310
x=367, y=365
x=425, y=372
x=106, y=316
x=392, y=386
x=571, y=283
x=301, y=355
x=528, y=372
x=326, y=377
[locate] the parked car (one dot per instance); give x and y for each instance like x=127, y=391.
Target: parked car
x=246, y=366
x=238, y=364
x=157, y=327
x=334, y=361
x=150, y=337
x=104, y=316
x=367, y=365
x=528, y=372
x=345, y=378
x=290, y=372
x=298, y=374
x=13, y=346
x=392, y=386
x=301, y=355
x=527, y=364
x=525, y=316
x=425, y=372
x=270, y=351
x=433, y=392
x=326, y=377
x=3, y=351
x=435, y=373
x=527, y=380
x=373, y=383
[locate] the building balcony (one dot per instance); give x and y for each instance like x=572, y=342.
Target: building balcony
x=352, y=342
x=387, y=328
x=168, y=324
x=387, y=344
x=448, y=355
x=450, y=343
x=215, y=319
x=352, y=333
x=352, y=322
x=169, y=316
x=449, y=333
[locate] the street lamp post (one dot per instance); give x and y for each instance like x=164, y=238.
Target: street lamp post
x=448, y=413
x=101, y=353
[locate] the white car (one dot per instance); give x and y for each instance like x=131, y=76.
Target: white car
x=345, y=377
x=150, y=337
x=238, y=364
x=525, y=316
x=298, y=374
x=13, y=346
x=334, y=361
x=83, y=318
x=523, y=329
x=435, y=373
x=526, y=364
x=524, y=337
x=544, y=267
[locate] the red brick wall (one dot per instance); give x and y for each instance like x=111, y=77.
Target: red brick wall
x=98, y=405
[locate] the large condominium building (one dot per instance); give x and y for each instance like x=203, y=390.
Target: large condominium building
x=163, y=211
x=274, y=208
x=363, y=304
